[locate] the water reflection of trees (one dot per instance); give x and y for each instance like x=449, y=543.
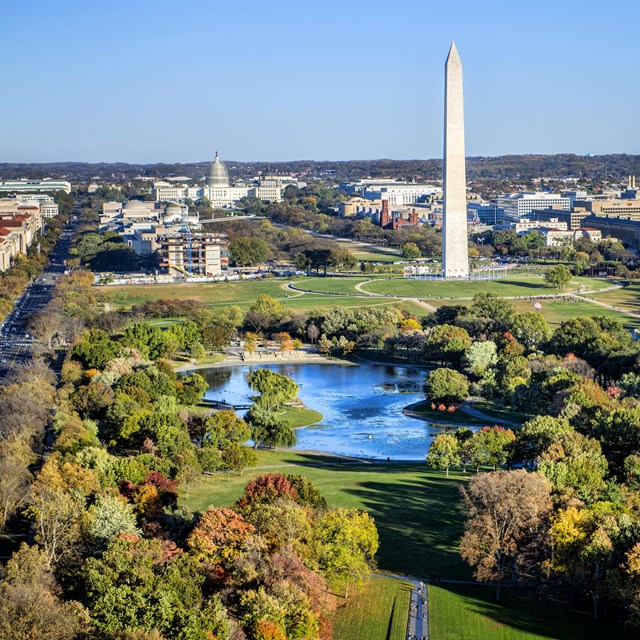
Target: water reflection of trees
x=217, y=378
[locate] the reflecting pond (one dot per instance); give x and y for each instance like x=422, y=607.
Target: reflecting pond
x=362, y=407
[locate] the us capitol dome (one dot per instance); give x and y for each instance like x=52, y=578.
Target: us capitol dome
x=218, y=175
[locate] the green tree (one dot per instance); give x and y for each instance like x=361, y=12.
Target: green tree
x=494, y=314
x=558, y=277
x=448, y=342
x=530, y=329
x=446, y=385
x=136, y=584
x=345, y=543
x=107, y=517
x=247, y=252
x=410, y=251
x=444, y=452
x=264, y=313
x=481, y=357
x=494, y=445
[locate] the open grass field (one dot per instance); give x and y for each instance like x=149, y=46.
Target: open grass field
x=627, y=297
x=416, y=510
x=377, y=611
x=333, y=285
x=519, y=285
x=375, y=256
x=242, y=293
x=470, y=613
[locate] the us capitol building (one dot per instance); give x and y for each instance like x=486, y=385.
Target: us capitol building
x=220, y=193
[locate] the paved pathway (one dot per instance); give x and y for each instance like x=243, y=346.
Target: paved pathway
x=605, y=305
x=418, y=624
x=467, y=407
x=418, y=619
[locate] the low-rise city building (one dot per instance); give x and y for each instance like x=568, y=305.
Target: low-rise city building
x=197, y=253
x=520, y=205
x=34, y=186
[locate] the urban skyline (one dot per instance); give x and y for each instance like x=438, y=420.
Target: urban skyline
x=283, y=82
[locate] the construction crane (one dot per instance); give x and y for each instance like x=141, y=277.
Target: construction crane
x=186, y=232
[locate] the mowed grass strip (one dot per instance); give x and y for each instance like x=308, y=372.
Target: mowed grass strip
x=417, y=510
x=519, y=285
x=378, y=610
x=627, y=297
x=471, y=613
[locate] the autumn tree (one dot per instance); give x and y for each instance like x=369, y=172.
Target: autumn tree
x=220, y=535
x=584, y=548
x=507, y=514
x=30, y=603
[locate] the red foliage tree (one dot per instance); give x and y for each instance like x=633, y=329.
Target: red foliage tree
x=266, y=488
x=220, y=536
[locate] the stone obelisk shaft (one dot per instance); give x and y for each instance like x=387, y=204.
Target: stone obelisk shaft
x=455, y=252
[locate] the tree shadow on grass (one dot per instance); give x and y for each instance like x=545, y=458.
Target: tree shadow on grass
x=419, y=524
x=521, y=611
x=520, y=283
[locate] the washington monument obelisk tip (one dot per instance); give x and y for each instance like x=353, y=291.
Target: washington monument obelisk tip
x=455, y=251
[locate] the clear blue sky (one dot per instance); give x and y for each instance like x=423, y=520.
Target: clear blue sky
x=172, y=81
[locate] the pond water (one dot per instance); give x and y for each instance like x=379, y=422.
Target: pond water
x=362, y=407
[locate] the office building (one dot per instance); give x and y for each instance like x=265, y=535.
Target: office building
x=34, y=186
x=520, y=205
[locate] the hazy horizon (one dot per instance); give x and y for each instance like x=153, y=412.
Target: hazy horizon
x=163, y=81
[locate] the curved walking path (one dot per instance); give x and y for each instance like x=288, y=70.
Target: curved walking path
x=467, y=407
x=363, y=294
x=605, y=305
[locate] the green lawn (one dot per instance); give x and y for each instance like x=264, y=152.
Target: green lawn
x=519, y=285
x=416, y=509
x=377, y=611
x=376, y=256
x=301, y=416
x=627, y=297
x=501, y=413
x=215, y=293
x=243, y=293
x=333, y=285
x=470, y=613
x=557, y=311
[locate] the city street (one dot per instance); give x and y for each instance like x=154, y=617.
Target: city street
x=15, y=340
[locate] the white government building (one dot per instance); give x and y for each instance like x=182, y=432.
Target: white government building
x=397, y=193
x=220, y=192
x=520, y=205
x=34, y=186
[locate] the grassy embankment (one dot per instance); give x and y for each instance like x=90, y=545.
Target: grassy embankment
x=416, y=509
x=379, y=611
x=419, y=520
x=464, y=612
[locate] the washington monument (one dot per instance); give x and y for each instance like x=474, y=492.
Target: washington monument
x=455, y=251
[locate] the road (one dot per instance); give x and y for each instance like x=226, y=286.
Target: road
x=15, y=341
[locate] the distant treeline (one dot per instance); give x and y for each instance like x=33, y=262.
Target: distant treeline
x=516, y=167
